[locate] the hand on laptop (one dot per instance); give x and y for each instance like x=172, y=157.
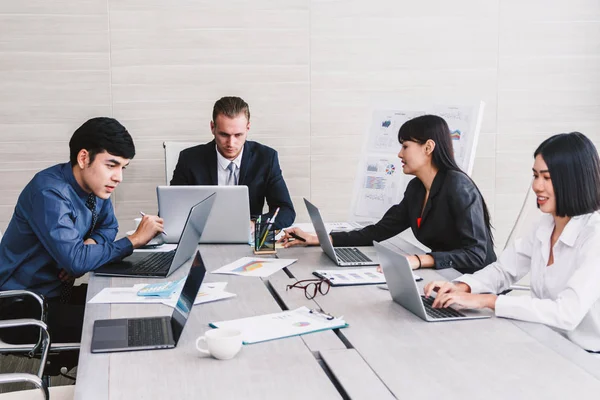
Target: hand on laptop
x=297, y=237
x=149, y=227
x=465, y=300
x=441, y=287
x=444, y=287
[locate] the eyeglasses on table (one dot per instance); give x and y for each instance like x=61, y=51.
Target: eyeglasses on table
x=312, y=286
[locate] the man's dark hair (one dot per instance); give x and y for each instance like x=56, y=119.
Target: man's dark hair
x=231, y=107
x=101, y=134
x=574, y=167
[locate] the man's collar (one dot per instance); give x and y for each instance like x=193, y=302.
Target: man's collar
x=224, y=163
x=67, y=171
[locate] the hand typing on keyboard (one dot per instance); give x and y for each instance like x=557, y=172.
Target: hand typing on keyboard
x=457, y=295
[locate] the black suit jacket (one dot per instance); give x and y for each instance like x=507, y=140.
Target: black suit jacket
x=452, y=225
x=259, y=170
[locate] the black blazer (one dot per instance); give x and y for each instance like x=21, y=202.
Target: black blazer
x=259, y=170
x=452, y=225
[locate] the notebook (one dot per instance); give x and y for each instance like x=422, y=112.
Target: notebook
x=151, y=333
x=162, y=264
x=342, y=256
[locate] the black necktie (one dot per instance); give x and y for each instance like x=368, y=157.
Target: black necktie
x=90, y=203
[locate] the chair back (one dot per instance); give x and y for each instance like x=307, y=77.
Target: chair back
x=172, y=150
x=527, y=217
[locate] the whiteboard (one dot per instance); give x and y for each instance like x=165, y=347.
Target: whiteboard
x=380, y=182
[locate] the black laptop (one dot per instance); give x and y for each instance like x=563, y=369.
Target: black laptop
x=152, y=333
x=163, y=264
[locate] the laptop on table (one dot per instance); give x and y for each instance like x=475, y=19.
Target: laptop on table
x=229, y=220
x=151, y=333
x=342, y=256
x=404, y=290
x=163, y=264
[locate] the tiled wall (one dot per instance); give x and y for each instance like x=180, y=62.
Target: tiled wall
x=309, y=70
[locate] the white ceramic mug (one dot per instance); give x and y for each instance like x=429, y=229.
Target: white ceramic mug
x=222, y=344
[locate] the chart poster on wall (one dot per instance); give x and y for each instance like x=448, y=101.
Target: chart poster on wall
x=380, y=182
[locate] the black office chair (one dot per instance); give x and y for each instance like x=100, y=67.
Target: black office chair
x=41, y=347
x=59, y=357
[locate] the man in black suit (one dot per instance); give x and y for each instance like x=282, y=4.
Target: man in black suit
x=230, y=159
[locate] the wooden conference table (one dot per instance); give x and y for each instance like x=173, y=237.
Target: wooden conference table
x=386, y=352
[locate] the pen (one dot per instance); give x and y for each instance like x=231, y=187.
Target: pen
x=292, y=234
x=143, y=215
x=270, y=223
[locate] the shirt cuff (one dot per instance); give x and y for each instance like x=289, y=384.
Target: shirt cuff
x=474, y=284
x=441, y=260
x=125, y=247
x=509, y=306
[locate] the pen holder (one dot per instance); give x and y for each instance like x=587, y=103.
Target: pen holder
x=264, y=239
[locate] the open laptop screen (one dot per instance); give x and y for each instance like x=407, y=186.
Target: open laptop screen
x=189, y=292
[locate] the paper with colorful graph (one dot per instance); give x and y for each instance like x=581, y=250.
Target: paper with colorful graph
x=209, y=291
x=281, y=325
x=252, y=266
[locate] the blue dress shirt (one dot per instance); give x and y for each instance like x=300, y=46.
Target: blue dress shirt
x=47, y=230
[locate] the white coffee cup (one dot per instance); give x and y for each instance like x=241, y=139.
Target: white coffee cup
x=222, y=344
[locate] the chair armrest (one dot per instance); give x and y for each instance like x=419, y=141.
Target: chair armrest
x=25, y=378
x=21, y=293
x=43, y=343
x=37, y=297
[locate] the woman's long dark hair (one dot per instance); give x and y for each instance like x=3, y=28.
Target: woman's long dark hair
x=426, y=127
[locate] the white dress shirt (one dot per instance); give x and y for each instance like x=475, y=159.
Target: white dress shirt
x=223, y=163
x=564, y=295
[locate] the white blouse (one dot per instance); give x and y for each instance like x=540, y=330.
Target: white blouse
x=564, y=295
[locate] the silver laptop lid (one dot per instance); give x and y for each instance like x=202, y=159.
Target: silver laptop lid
x=188, y=295
x=320, y=230
x=400, y=280
x=192, y=231
x=229, y=220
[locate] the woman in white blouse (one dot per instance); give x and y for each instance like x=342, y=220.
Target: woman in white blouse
x=562, y=252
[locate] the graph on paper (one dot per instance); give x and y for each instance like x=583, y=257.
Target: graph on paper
x=258, y=267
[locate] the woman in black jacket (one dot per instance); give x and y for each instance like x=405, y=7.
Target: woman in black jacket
x=443, y=206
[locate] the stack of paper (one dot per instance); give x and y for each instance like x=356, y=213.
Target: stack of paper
x=208, y=292
x=252, y=266
x=354, y=276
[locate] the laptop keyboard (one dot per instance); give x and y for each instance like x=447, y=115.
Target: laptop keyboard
x=439, y=312
x=351, y=255
x=147, y=331
x=156, y=262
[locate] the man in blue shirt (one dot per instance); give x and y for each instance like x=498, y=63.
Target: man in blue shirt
x=64, y=226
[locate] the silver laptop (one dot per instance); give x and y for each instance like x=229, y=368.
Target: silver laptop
x=154, y=332
x=229, y=220
x=404, y=290
x=162, y=264
x=342, y=256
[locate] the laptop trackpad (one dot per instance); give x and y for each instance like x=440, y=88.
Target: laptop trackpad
x=109, y=334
